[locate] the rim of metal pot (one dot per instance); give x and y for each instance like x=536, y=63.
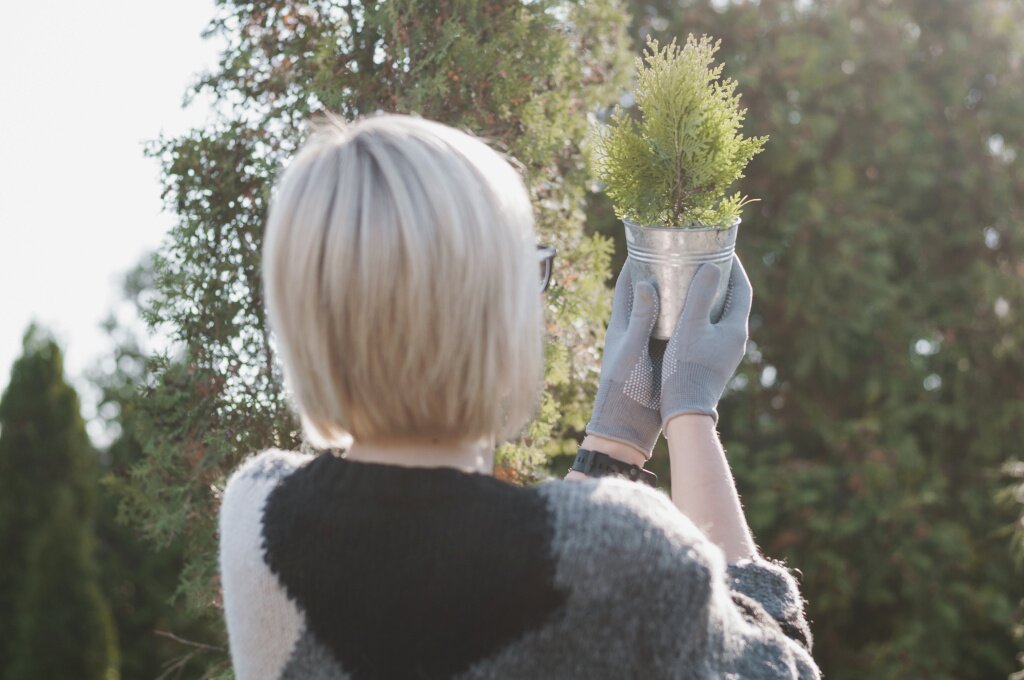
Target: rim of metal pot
x=735, y=223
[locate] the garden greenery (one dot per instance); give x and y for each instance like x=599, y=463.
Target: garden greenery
x=868, y=431
x=520, y=75
x=673, y=167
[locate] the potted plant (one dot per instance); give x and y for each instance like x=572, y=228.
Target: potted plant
x=667, y=174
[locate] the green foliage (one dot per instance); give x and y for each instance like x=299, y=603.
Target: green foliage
x=882, y=387
x=65, y=628
x=673, y=167
x=55, y=623
x=1013, y=497
x=521, y=75
x=157, y=638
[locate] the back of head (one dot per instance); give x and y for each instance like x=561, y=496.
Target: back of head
x=400, y=276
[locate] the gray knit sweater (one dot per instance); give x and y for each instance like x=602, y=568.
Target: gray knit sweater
x=340, y=569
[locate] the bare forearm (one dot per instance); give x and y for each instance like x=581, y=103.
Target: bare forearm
x=702, y=484
x=703, y=487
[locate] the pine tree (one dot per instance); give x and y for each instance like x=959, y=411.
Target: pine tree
x=56, y=622
x=64, y=625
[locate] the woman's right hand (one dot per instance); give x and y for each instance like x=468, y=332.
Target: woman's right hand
x=702, y=356
x=626, y=408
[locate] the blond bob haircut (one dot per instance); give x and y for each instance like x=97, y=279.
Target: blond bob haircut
x=402, y=284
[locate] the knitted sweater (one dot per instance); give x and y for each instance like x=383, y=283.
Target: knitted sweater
x=334, y=568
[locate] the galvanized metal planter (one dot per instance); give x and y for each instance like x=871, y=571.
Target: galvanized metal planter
x=668, y=257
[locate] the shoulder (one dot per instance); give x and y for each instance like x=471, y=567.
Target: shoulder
x=626, y=548
x=247, y=490
x=609, y=506
x=615, y=526
x=246, y=493
x=638, y=574
x=269, y=465
x=257, y=474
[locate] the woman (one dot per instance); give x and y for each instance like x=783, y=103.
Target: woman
x=400, y=272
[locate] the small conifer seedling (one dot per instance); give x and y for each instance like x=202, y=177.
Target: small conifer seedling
x=673, y=167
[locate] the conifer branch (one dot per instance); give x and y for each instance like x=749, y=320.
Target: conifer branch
x=674, y=165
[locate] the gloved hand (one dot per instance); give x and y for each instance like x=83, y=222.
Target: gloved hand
x=701, y=356
x=626, y=408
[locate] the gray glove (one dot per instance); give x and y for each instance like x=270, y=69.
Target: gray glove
x=626, y=408
x=701, y=356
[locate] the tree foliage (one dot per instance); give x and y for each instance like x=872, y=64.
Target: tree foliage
x=882, y=388
x=521, y=75
x=56, y=622
x=158, y=638
x=64, y=624
x=673, y=167
x=1013, y=497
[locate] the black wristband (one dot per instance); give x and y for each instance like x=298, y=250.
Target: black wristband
x=597, y=464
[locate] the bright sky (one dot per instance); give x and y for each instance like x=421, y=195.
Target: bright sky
x=82, y=86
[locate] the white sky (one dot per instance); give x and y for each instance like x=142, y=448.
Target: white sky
x=82, y=86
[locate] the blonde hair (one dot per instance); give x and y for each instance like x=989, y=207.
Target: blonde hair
x=402, y=285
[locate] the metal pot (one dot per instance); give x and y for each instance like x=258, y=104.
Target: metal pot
x=668, y=257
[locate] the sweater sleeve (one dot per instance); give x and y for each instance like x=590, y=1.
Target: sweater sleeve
x=770, y=584
x=762, y=621
x=694, y=615
x=752, y=622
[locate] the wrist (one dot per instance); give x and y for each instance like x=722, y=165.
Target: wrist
x=690, y=420
x=692, y=411
x=687, y=427
x=626, y=453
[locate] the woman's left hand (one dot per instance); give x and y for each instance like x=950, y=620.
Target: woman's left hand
x=627, y=408
x=703, y=356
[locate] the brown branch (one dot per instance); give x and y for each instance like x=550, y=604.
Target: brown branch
x=191, y=643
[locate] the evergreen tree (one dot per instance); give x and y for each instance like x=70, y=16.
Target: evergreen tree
x=1013, y=497
x=522, y=75
x=882, y=388
x=140, y=580
x=64, y=626
x=55, y=623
